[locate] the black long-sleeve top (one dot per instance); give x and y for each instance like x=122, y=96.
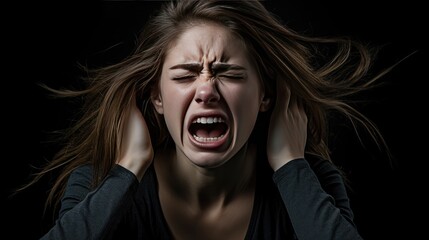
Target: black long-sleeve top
x=302, y=200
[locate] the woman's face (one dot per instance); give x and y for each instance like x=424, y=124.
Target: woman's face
x=210, y=94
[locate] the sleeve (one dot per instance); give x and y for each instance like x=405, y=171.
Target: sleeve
x=316, y=212
x=93, y=214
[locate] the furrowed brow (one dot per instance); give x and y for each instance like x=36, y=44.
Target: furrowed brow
x=223, y=67
x=193, y=67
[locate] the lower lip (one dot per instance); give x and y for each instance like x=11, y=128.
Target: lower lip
x=210, y=145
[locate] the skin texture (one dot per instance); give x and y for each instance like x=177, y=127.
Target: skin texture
x=199, y=188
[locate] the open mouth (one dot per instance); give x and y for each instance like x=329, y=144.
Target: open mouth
x=209, y=131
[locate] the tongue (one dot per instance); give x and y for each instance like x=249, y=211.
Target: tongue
x=209, y=133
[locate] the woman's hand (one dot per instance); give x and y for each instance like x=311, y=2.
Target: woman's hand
x=287, y=134
x=136, y=151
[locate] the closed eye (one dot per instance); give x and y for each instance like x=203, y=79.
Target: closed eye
x=187, y=77
x=236, y=77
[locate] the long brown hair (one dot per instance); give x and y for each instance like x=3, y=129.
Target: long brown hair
x=321, y=72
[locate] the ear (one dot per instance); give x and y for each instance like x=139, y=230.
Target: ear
x=265, y=104
x=157, y=103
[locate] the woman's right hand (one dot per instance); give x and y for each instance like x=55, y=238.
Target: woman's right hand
x=136, y=151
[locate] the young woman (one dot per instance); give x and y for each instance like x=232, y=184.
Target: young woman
x=214, y=128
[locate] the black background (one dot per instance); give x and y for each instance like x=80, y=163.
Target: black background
x=43, y=43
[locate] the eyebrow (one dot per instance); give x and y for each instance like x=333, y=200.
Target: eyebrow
x=193, y=67
x=223, y=67
x=216, y=67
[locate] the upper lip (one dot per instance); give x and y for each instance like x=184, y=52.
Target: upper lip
x=212, y=113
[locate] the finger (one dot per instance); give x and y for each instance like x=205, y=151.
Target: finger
x=283, y=94
x=300, y=109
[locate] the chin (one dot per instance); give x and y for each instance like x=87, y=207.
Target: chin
x=207, y=160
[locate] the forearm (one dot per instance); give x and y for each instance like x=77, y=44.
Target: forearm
x=312, y=211
x=99, y=212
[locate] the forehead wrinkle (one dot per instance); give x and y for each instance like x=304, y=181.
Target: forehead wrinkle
x=207, y=43
x=213, y=46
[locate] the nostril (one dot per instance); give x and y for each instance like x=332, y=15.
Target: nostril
x=213, y=99
x=208, y=99
x=207, y=93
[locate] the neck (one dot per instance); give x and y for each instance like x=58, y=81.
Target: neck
x=210, y=187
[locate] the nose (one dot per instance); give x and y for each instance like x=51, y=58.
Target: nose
x=207, y=92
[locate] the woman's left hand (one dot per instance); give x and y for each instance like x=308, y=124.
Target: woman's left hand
x=287, y=134
x=136, y=153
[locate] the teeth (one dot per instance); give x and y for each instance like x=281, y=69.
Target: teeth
x=208, y=120
x=209, y=139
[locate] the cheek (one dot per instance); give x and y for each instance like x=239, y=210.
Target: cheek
x=172, y=98
x=175, y=103
x=243, y=95
x=243, y=100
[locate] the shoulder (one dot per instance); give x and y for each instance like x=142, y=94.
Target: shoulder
x=82, y=173
x=326, y=172
x=85, y=169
